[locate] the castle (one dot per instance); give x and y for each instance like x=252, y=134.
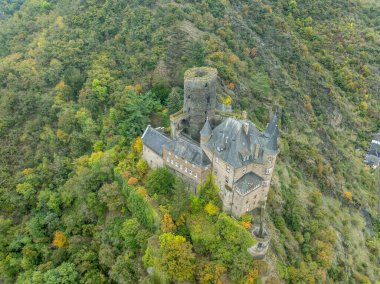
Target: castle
x=204, y=141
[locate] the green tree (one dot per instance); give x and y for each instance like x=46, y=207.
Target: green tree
x=176, y=257
x=110, y=194
x=125, y=270
x=175, y=100
x=63, y=274
x=209, y=191
x=160, y=180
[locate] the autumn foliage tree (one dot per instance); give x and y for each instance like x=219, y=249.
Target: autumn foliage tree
x=60, y=239
x=167, y=224
x=176, y=258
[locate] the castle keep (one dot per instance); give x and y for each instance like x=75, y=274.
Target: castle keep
x=202, y=142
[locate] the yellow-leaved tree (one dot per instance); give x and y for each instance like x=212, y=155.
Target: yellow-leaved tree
x=167, y=224
x=60, y=239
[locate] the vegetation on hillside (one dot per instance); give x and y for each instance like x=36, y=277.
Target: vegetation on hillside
x=80, y=80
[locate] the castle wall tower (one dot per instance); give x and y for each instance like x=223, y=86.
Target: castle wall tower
x=199, y=97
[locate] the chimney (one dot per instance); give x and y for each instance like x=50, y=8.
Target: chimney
x=257, y=148
x=244, y=115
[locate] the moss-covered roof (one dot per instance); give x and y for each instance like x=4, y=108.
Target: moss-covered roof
x=200, y=73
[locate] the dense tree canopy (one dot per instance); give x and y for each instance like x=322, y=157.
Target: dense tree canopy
x=79, y=82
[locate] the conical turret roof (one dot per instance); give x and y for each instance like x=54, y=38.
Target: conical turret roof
x=206, y=130
x=271, y=127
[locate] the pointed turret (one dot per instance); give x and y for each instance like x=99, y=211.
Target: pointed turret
x=272, y=143
x=206, y=132
x=271, y=127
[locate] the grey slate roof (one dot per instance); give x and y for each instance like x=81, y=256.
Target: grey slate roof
x=247, y=183
x=372, y=161
x=188, y=151
x=375, y=148
x=373, y=156
x=154, y=139
x=206, y=130
x=231, y=143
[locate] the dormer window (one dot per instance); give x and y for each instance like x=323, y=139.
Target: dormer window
x=246, y=158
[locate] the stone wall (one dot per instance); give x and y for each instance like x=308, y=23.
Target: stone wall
x=154, y=160
x=199, y=97
x=194, y=172
x=226, y=176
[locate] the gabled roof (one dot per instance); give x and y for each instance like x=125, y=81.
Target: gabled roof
x=154, y=139
x=375, y=148
x=231, y=143
x=248, y=183
x=372, y=158
x=188, y=151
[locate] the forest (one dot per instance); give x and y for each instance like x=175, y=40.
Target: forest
x=81, y=79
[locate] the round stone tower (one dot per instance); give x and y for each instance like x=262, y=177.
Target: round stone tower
x=199, y=97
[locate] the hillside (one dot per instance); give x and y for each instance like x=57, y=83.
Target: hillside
x=80, y=80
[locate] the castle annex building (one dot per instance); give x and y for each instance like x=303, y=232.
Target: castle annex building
x=372, y=158
x=203, y=141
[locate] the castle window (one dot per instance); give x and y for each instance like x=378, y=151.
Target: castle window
x=168, y=160
x=180, y=166
x=185, y=170
x=244, y=170
x=171, y=162
x=190, y=172
x=195, y=175
x=227, y=180
x=267, y=171
x=216, y=171
x=228, y=169
x=176, y=164
x=193, y=165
